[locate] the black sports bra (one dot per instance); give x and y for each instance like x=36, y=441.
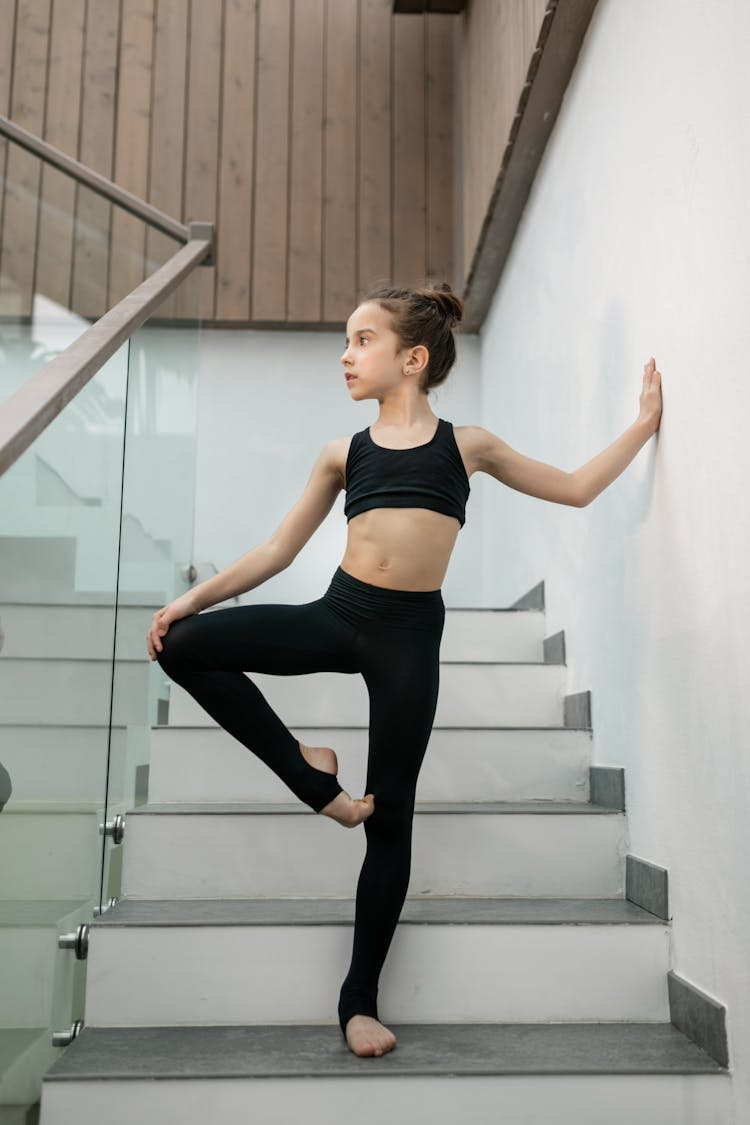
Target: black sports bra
x=424, y=476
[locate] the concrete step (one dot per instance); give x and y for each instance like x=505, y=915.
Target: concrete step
x=64, y=691
x=470, y=695
x=39, y=989
x=203, y=764
x=452, y=959
x=532, y=848
x=574, y=1074
x=85, y=629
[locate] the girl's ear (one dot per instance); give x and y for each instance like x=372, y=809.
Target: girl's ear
x=417, y=360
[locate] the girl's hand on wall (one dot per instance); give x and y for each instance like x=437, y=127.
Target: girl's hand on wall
x=183, y=606
x=651, y=402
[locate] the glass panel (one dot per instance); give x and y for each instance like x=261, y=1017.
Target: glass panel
x=156, y=547
x=96, y=533
x=66, y=256
x=59, y=520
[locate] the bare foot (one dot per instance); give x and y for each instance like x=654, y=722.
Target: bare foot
x=321, y=757
x=344, y=809
x=349, y=811
x=367, y=1036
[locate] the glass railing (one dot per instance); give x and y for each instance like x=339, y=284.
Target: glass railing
x=96, y=533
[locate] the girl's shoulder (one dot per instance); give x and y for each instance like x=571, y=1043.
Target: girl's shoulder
x=470, y=440
x=338, y=451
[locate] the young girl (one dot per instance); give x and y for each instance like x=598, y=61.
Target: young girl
x=406, y=479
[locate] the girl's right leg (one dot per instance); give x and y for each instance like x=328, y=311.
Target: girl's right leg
x=208, y=654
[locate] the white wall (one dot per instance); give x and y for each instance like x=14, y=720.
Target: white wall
x=268, y=402
x=635, y=243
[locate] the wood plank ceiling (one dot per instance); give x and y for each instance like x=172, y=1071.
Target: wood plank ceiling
x=316, y=134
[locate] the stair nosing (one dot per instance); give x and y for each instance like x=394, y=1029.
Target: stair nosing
x=437, y=910
x=424, y=808
x=319, y=1051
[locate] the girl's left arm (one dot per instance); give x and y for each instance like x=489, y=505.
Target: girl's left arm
x=580, y=487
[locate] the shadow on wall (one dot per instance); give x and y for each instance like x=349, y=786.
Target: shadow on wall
x=5, y=786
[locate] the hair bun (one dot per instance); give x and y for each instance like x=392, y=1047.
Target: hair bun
x=448, y=302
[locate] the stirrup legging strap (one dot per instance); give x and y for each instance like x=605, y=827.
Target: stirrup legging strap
x=391, y=637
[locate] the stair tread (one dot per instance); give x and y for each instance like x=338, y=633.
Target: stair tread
x=295, y=808
x=438, y=909
x=458, y=728
x=296, y=1050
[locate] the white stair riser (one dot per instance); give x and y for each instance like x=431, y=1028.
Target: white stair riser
x=470, y=695
x=68, y=765
x=22, y=1081
x=458, y=973
x=73, y=691
x=39, y=979
x=76, y=631
x=88, y=631
x=27, y=989
x=207, y=764
x=488, y=634
x=589, y=1099
x=49, y=855
x=225, y=855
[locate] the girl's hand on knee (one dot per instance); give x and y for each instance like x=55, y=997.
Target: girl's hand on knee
x=183, y=606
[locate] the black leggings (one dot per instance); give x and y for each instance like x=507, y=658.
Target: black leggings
x=393, y=638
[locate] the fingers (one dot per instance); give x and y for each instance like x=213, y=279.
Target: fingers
x=650, y=371
x=153, y=644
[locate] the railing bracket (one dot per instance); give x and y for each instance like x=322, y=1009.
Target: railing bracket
x=77, y=940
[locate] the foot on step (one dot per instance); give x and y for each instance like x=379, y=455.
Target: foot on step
x=367, y=1036
x=349, y=811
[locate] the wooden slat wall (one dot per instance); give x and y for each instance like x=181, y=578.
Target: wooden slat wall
x=497, y=41
x=127, y=266
x=96, y=149
x=55, y=253
x=316, y=134
x=19, y=234
x=374, y=145
x=305, y=245
x=271, y=202
x=167, y=127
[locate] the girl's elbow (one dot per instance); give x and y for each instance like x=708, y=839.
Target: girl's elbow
x=578, y=495
x=281, y=553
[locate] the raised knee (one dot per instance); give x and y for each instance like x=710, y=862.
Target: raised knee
x=175, y=648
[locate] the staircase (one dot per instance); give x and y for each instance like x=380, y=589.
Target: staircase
x=57, y=753
x=522, y=984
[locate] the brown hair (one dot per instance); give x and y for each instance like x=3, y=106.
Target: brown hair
x=424, y=316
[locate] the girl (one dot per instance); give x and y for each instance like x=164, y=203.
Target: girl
x=406, y=479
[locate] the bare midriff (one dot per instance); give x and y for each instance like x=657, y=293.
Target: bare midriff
x=400, y=548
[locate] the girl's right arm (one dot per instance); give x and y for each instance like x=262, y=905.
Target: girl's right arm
x=267, y=559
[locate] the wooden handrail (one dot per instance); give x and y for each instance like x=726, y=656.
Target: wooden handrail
x=94, y=180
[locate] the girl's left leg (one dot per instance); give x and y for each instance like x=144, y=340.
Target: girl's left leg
x=401, y=669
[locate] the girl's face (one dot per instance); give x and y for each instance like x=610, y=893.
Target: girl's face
x=373, y=360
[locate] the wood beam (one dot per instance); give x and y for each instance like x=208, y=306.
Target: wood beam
x=413, y=7
x=552, y=63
